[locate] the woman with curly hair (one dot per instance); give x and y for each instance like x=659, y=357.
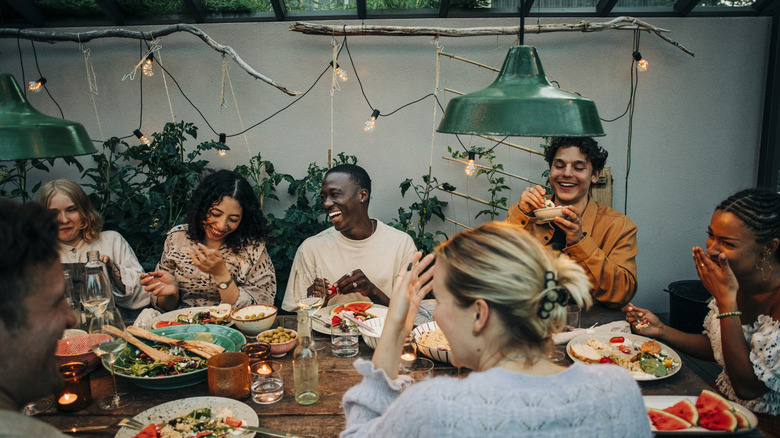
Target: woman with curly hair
x=219, y=255
x=740, y=267
x=80, y=230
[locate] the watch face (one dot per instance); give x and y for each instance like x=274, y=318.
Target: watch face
x=223, y=285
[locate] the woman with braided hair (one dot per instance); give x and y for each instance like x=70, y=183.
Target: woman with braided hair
x=500, y=297
x=741, y=269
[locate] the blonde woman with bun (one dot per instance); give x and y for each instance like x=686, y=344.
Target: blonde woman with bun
x=79, y=230
x=500, y=297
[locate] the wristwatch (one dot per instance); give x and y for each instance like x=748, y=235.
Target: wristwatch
x=225, y=285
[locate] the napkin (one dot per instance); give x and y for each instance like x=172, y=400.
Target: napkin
x=615, y=327
x=144, y=319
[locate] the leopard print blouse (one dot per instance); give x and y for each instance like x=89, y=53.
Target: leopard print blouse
x=251, y=269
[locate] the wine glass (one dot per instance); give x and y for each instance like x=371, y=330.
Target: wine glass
x=108, y=349
x=96, y=293
x=311, y=302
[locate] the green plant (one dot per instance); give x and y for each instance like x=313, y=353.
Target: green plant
x=426, y=207
x=496, y=181
x=15, y=176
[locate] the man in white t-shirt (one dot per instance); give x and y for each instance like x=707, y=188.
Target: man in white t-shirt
x=357, y=257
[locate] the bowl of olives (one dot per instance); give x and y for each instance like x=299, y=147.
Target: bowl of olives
x=281, y=340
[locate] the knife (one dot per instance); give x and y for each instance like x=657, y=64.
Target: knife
x=266, y=431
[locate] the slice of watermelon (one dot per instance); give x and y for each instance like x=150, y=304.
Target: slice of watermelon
x=743, y=421
x=665, y=421
x=684, y=409
x=710, y=403
x=337, y=310
x=163, y=324
x=723, y=420
x=358, y=307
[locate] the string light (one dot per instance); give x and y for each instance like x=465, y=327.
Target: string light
x=471, y=167
x=222, y=139
x=147, y=66
x=641, y=64
x=371, y=122
x=141, y=137
x=340, y=72
x=35, y=86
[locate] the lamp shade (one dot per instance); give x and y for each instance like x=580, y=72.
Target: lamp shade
x=521, y=102
x=27, y=133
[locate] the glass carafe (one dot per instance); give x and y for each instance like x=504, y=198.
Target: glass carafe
x=305, y=366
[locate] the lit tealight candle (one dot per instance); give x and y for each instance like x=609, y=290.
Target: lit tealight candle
x=264, y=369
x=67, y=399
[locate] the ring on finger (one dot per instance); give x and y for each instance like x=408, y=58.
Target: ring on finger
x=349, y=274
x=354, y=285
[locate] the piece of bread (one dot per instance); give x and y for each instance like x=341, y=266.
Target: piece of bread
x=585, y=353
x=651, y=347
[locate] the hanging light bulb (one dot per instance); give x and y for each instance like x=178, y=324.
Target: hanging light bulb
x=641, y=64
x=141, y=137
x=222, y=139
x=371, y=122
x=35, y=86
x=340, y=73
x=471, y=167
x=147, y=66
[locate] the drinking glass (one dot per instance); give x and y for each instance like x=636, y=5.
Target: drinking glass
x=573, y=313
x=110, y=347
x=344, y=338
x=96, y=294
x=267, y=383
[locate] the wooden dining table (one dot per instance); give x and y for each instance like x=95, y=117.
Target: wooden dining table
x=325, y=418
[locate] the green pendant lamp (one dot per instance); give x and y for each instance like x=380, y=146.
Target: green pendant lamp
x=27, y=133
x=521, y=102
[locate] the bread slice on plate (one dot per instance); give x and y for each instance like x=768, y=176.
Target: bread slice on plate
x=585, y=353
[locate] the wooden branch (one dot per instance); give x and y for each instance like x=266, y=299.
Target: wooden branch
x=472, y=198
x=83, y=37
x=512, y=175
x=618, y=23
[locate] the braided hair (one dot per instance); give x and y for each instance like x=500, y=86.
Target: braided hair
x=760, y=210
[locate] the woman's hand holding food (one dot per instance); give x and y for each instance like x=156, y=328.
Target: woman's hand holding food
x=531, y=199
x=718, y=278
x=409, y=292
x=208, y=260
x=164, y=286
x=643, y=321
x=571, y=224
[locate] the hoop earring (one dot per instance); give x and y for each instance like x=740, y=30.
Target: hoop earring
x=761, y=265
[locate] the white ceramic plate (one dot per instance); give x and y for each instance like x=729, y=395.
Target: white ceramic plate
x=176, y=408
x=544, y=215
x=173, y=314
x=377, y=310
x=664, y=401
x=635, y=340
x=433, y=353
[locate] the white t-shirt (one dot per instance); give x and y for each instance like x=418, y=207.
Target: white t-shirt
x=381, y=256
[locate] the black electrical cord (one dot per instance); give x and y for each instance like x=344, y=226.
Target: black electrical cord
x=40, y=75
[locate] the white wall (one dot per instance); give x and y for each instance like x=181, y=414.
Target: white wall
x=695, y=132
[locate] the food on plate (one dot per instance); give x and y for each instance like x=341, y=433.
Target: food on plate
x=711, y=411
x=221, y=312
x=358, y=308
x=663, y=420
x=278, y=335
x=164, y=324
x=199, y=423
x=585, y=353
x=684, y=409
x=652, y=347
x=548, y=203
x=646, y=358
x=199, y=317
x=157, y=359
x=434, y=339
x=201, y=348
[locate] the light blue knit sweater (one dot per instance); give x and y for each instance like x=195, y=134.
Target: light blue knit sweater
x=582, y=401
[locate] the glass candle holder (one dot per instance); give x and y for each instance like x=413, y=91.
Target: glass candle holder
x=267, y=383
x=408, y=352
x=228, y=375
x=257, y=351
x=77, y=393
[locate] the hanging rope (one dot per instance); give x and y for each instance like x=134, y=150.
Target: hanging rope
x=91, y=85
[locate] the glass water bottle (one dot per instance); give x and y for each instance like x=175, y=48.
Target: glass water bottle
x=97, y=296
x=305, y=367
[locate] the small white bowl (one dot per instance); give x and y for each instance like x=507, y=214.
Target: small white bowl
x=246, y=319
x=548, y=214
x=371, y=339
x=433, y=353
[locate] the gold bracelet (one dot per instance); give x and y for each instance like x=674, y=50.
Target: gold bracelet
x=725, y=314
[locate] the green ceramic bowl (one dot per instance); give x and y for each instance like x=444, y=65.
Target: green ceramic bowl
x=230, y=339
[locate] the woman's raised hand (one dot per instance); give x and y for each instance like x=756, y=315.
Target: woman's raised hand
x=208, y=260
x=716, y=276
x=410, y=288
x=160, y=283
